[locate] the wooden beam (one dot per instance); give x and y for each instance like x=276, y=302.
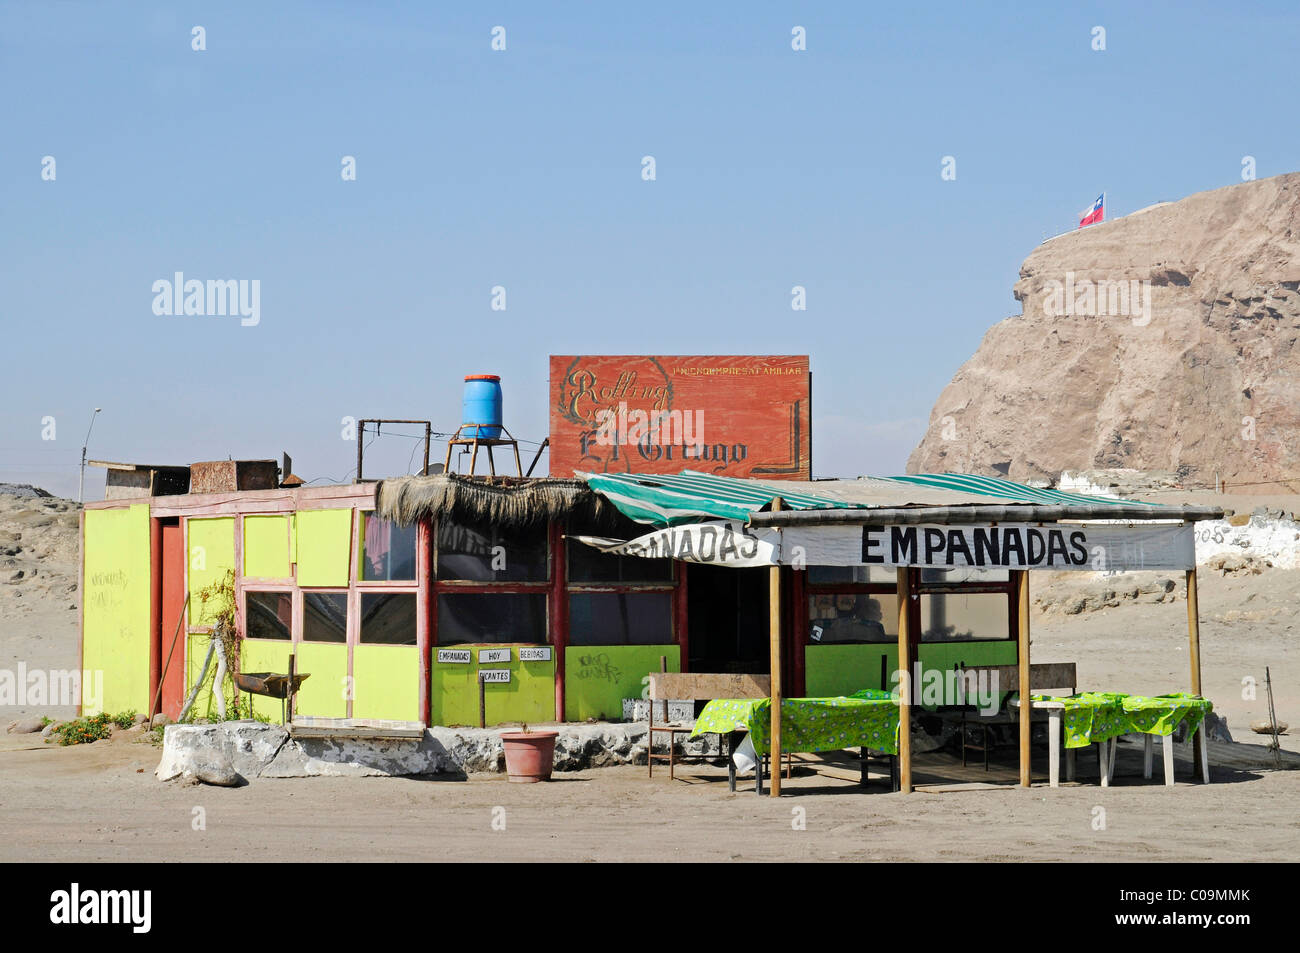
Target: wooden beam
x=774, y=632
x=904, y=682
x=559, y=608
x=1194, y=651
x=1022, y=646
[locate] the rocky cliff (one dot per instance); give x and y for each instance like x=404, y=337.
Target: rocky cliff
x=1165, y=340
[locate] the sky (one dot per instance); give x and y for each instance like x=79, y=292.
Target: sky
x=522, y=168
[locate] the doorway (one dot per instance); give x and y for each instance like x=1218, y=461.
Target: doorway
x=727, y=616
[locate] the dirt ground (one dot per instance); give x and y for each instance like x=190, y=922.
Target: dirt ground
x=101, y=803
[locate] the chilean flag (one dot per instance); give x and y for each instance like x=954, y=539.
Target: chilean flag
x=1095, y=214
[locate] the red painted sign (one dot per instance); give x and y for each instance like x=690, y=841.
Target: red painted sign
x=735, y=416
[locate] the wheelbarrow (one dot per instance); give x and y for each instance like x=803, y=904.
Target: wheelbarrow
x=272, y=685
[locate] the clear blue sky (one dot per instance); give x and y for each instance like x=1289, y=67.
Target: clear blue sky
x=522, y=168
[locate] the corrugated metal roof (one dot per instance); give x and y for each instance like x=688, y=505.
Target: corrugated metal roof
x=669, y=499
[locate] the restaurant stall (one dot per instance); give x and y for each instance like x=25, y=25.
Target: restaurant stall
x=944, y=557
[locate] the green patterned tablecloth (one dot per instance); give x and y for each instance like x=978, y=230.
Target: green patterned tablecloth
x=807, y=724
x=1162, y=714
x=1099, y=716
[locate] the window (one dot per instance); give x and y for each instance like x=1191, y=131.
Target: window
x=491, y=617
x=387, y=550
x=963, y=576
x=852, y=617
x=490, y=555
x=268, y=615
x=588, y=564
x=388, y=618
x=324, y=616
x=620, y=618
x=851, y=575
x=963, y=617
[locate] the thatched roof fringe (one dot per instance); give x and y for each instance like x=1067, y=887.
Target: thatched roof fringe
x=516, y=505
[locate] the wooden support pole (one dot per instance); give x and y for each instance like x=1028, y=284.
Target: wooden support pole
x=1194, y=651
x=904, y=682
x=1022, y=648
x=774, y=631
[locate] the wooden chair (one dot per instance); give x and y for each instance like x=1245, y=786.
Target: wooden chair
x=1051, y=676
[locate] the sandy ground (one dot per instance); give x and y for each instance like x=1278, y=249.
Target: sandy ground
x=101, y=802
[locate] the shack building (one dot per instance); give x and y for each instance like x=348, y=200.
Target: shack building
x=394, y=595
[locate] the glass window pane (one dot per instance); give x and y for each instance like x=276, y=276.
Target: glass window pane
x=949, y=577
x=268, y=615
x=953, y=617
x=387, y=550
x=620, y=618
x=491, y=617
x=486, y=554
x=852, y=617
x=838, y=575
x=588, y=564
x=325, y=616
x=388, y=618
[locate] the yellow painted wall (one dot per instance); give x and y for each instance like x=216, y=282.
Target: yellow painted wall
x=324, y=547
x=322, y=695
x=386, y=682
x=115, y=633
x=265, y=655
x=210, y=554
x=266, y=547
x=204, y=703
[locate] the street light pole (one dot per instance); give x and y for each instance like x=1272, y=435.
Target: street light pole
x=81, y=484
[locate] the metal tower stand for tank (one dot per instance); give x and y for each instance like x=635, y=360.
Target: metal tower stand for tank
x=459, y=440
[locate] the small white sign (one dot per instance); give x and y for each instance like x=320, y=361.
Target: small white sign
x=493, y=655
x=494, y=674
x=537, y=653
x=454, y=656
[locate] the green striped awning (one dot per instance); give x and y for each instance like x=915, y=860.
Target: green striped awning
x=671, y=499
x=1006, y=490
x=690, y=496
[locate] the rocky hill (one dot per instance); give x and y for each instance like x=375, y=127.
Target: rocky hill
x=1162, y=341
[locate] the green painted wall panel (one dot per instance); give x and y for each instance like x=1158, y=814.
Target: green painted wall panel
x=386, y=682
x=598, y=677
x=324, y=547
x=843, y=669
x=529, y=696
x=211, y=555
x=115, y=632
x=832, y=670
x=266, y=547
x=322, y=695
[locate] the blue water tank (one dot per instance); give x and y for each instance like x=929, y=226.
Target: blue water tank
x=481, y=409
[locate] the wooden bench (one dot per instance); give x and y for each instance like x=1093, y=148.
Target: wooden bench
x=701, y=686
